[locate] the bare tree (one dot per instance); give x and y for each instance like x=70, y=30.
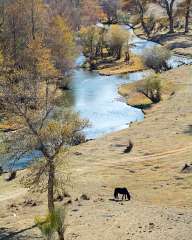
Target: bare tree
x=139, y=7
x=169, y=6
x=151, y=88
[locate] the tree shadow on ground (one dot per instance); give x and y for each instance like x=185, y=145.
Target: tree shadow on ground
x=182, y=42
x=6, y=234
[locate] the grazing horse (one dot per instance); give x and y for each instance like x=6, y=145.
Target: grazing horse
x=124, y=193
x=128, y=148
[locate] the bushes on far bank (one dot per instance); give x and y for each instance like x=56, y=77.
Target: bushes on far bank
x=156, y=58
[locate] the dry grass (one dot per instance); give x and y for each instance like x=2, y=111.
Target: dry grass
x=161, y=193
x=120, y=67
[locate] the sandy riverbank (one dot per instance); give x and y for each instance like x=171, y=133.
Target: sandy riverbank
x=136, y=99
x=161, y=196
x=178, y=42
x=118, y=67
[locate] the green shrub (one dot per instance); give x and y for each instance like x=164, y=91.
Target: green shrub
x=51, y=224
x=152, y=88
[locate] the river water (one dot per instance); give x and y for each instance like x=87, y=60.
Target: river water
x=96, y=97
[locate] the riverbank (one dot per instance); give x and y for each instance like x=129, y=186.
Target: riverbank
x=136, y=99
x=178, y=42
x=161, y=196
x=118, y=67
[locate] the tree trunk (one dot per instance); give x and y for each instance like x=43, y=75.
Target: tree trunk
x=60, y=235
x=127, y=57
x=119, y=50
x=51, y=176
x=32, y=20
x=14, y=40
x=171, y=23
x=187, y=16
x=169, y=7
x=141, y=13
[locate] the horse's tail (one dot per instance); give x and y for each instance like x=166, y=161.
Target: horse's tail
x=128, y=195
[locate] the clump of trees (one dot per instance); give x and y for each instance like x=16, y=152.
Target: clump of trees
x=90, y=40
x=184, y=10
x=37, y=48
x=98, y=42
x=173, y=9
x=91, y=12
x=117, y=37
x=152, y=88
x=110, y=8
x=156, y=58
x=139, y=8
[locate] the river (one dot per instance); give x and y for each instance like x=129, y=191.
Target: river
x=96, y=97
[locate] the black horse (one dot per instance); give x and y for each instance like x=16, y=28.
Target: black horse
x=122, y=191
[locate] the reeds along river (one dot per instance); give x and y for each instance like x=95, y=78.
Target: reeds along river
x=96, y=98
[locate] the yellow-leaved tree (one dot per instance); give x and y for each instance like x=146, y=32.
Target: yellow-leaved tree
x=38, y=48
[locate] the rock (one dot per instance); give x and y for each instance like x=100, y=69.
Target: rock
x=12, y=205
x=84, y=197
x=75, y=210
x=66, y=195
x=30, y=202
x=69, y=201
x=151, y=224
x=77, y=153
x=59, y=198
x=101, y=199
x=11, y=176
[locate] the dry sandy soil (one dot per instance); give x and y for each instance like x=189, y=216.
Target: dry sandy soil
x=161, y=202
x=178, y=42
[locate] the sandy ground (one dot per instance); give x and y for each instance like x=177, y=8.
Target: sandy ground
x=161, y=202
x=178, y=42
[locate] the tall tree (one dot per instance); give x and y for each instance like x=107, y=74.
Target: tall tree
x=38, y=47
x=110, y=8
x=184, y=10
x=91, y=12
x=139, y=7
x=169, y=6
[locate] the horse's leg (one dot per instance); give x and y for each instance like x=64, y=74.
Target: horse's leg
x=122, y=197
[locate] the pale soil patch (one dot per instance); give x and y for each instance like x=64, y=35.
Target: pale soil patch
x=178, y=42
x=161, y=196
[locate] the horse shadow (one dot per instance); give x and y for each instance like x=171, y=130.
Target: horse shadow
x=118, y=200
